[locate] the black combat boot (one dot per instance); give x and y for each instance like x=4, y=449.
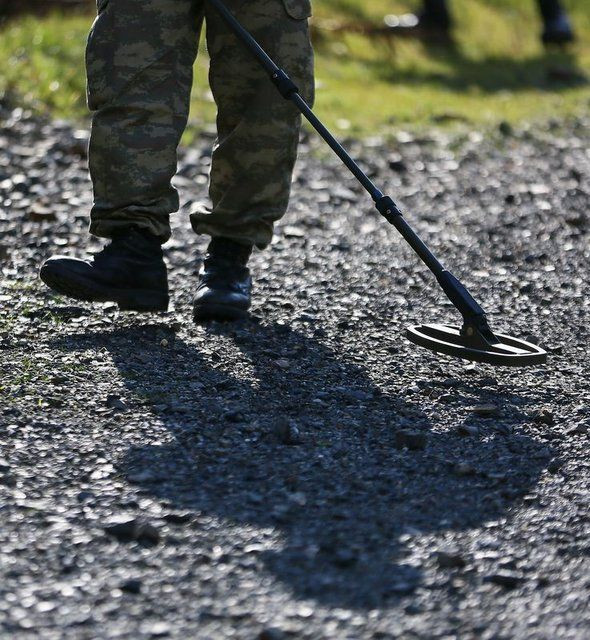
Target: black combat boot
x=129, y=271
x=225, y=285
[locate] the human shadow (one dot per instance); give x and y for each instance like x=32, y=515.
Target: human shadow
x=341, y=493
x=548, y=70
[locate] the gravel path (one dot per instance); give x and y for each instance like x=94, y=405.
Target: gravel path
x=307, y=474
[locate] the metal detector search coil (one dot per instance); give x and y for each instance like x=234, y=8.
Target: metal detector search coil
x=506, y=352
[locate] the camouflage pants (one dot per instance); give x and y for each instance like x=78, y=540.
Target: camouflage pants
x=139, y=59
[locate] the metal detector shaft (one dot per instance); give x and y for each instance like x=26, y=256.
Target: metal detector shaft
x=455, y=291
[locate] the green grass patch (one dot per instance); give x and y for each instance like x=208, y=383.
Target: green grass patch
x=497, y=70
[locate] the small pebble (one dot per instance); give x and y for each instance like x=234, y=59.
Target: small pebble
x=115, y=402
x=131, y=586
x=467, y=430
x=486, y=410
x=413, y=440
x=450, y=560
x=463, y=469
x=505, y=579
x=544, y=416
x=272, y=633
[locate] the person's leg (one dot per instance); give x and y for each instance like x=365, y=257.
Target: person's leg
x=556, y=25
x=253, y=158
x=139, y=66
x=258, y=130
x=549, y=9
x=432, y=21
x=436, y=12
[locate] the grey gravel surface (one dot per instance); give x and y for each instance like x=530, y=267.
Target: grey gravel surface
x=307, y=473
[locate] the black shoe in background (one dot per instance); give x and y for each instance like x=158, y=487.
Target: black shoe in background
x=225, y=286
x=558, y=30
x=129, y=271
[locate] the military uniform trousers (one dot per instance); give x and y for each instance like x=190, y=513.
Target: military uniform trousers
x=139, y=59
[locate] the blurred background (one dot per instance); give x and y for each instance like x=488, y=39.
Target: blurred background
x=494, y=72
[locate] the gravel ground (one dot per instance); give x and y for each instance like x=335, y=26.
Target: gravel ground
x=307, y=473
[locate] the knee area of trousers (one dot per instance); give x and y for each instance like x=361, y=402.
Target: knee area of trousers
x=120, y=59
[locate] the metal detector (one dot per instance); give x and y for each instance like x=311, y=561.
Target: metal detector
x=474, y=340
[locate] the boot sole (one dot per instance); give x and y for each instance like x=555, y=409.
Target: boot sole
x=82, y=289
x=218, y=312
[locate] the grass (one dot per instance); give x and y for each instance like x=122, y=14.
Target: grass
x=497, y=71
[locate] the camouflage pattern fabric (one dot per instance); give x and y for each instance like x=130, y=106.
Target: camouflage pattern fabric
x=139, y=59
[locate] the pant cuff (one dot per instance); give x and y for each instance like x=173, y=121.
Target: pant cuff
x=110, y=228
x=258, y=234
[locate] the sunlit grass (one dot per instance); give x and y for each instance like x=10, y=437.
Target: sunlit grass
x=498, y=70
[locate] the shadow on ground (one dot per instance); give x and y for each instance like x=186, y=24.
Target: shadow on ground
x=553, y=69
x=345, y=496
x=545, y=72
